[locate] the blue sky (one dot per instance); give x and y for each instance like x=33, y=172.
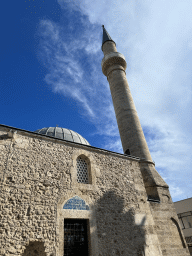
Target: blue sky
x=51, y=73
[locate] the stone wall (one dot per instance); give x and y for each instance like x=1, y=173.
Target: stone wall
x=38, y=176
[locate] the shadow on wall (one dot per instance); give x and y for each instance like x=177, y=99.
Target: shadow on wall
x=117, y=232
x=116, y=229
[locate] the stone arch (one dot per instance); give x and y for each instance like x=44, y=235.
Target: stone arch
x=76, y=212
x=35, y=248
x=177, y=231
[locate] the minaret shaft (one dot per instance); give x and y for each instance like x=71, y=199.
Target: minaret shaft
x=131, y=133
x=130, y=129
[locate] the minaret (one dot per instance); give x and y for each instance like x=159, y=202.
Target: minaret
x=131, y=133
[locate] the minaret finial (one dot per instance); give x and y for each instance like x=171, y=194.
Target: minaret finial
x=106, y=36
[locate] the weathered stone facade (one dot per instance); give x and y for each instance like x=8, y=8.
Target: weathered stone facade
x=38, y=176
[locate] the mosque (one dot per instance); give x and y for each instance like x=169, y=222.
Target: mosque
x=60, y=196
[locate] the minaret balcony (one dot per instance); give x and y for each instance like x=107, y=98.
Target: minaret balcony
x=111, y=61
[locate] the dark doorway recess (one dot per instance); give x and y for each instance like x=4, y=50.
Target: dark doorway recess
x=75, y=237
x=35, y=248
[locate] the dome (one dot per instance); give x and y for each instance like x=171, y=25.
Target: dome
x=64, y=134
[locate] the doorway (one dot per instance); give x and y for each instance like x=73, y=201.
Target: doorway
x=76, y=237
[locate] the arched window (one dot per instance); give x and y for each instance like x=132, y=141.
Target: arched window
x=82, y=170
x=177, y=235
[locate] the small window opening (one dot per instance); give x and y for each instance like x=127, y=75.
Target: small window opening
x=127, y=152
x=82, y=171
x=153, y=199
x=152, y=194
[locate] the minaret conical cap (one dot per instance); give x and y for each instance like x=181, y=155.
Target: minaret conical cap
x=106, y=36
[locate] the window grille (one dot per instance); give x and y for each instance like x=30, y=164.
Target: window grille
x=185, y=219
x=189, y=239
x=75, y=237
x=82, y=171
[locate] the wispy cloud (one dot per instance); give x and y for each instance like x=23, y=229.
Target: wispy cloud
x=155, y=38
x=75, y=71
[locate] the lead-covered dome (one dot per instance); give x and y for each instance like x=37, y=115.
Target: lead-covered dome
x=63, y=133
